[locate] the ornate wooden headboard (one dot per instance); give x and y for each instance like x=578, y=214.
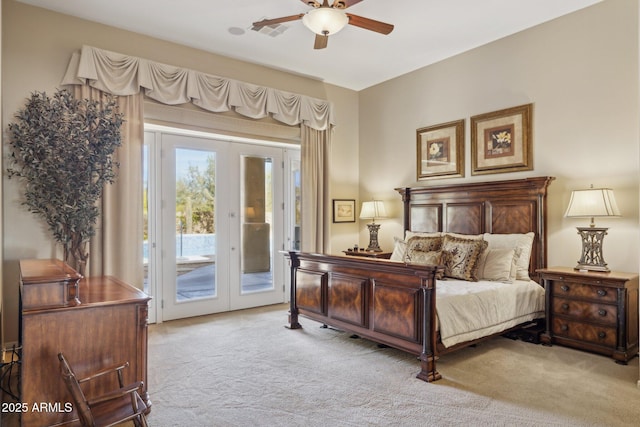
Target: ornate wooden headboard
x=500, y=207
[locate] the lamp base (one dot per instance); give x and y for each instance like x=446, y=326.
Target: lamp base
x=373, y=237
x=592, y=258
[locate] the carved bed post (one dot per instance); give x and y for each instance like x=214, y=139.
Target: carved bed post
x=406, y=199
x=294, y=263
x=428, y=370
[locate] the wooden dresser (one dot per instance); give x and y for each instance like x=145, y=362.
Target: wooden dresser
x=102, y=322
x=592, y=311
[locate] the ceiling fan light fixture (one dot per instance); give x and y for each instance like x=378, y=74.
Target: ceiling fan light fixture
x=325, y=20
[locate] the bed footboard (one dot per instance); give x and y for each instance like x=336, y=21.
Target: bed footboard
x=387, y=302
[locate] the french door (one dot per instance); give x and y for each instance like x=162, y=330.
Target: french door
x=220, y=223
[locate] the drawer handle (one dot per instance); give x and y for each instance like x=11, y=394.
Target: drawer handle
x=602, y=292
x=602, y=312
x=565, y=306
x=565, y=288
x=564, y=327
x=602, y=335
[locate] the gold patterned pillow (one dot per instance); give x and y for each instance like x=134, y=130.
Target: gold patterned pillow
x=425, y=258
x=418, y=245
x=460, y=257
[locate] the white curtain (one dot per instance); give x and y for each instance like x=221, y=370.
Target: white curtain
x=116, y=248
x=315, y=155
x=129, y=78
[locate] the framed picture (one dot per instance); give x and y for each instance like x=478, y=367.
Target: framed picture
x=344, y=210
x=501, y=141
x=441, y=150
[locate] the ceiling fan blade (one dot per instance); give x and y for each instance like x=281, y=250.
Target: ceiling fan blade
x=321, y=41
x=343, y=4
x=370, y=24
x=265, y=22
x=311, y=3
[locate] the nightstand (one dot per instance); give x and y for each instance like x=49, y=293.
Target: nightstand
x=592, y=311
x=369, y=254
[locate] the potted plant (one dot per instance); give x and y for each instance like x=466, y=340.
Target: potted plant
x=62, y=149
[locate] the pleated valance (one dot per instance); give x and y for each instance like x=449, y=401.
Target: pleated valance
x=120, y=74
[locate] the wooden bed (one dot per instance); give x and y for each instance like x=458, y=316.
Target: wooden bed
x=394, y=303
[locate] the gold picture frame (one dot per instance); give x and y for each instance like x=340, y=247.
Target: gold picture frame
x=501, y=141
x=440, y=151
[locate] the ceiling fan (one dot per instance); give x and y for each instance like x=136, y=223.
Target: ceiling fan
x=325, y=20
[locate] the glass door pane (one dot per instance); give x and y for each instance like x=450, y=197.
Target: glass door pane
x=257, y=224
x=195, y=229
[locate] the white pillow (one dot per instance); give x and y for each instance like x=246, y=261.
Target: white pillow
x=524, y=242
x=399, y=249
x=498, y=265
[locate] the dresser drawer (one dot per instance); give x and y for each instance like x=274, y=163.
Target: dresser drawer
x=587, y=311
x=600, y=335
x=579, y=290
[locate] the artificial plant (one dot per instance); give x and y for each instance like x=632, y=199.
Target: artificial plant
x=62, y=149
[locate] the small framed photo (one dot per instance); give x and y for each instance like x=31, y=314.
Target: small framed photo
x=344, y=210
x=501, y=141
x=441, y=150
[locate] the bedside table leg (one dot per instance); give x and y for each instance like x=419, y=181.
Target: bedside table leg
x=545, y=338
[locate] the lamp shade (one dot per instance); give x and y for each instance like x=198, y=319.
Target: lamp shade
x=373, y=209
x=593, y=202
x=325, y=20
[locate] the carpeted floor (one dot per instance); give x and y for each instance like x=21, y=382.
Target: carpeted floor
x=245, y=369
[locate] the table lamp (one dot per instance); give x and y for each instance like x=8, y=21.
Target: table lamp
x=591, y=203
x=372, y=210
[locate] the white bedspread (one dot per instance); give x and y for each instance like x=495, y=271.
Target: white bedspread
x=471, y=310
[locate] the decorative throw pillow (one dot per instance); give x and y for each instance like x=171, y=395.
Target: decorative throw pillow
x=465, y=236
x=425, y=251
x=422, y=244
x=399, y=249
x=524, y=242
x=424, y=258
x=416, y=255
x=409, y=234
x=460, y=257
x=497, y=265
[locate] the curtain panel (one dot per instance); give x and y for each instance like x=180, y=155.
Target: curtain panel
x=120, y=221
x=315, y=154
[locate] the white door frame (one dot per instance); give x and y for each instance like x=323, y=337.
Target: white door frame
x=283, y=232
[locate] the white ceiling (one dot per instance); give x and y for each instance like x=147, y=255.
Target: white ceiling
x=426, y=31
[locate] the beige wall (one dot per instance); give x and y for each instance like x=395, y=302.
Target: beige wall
x=580, y=72
x=37, y=45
